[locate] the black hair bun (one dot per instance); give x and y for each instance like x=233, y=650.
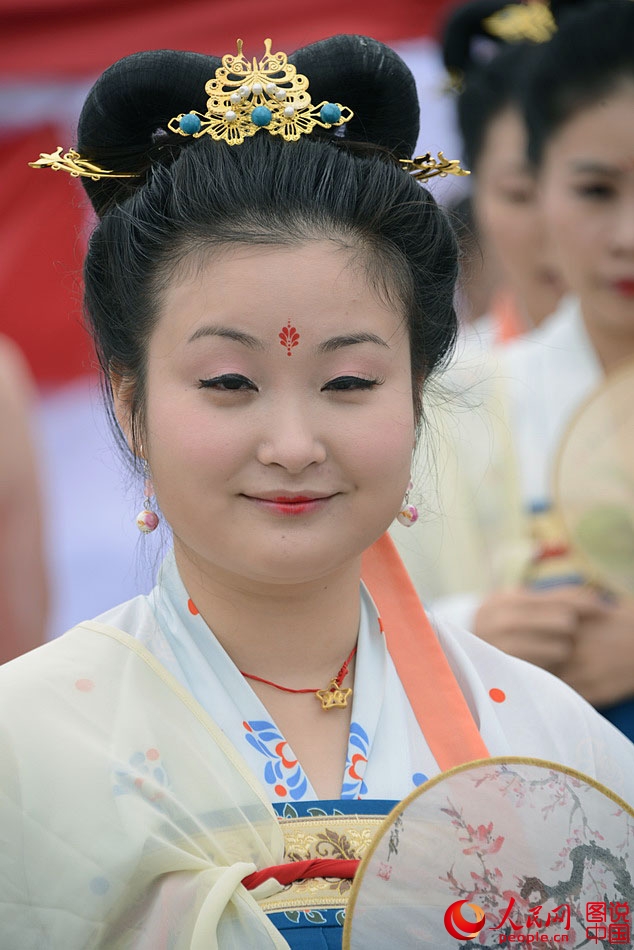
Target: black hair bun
x=123, y=124
x=140, y=94
x=127, y=110
x=464, y=25
x=467, y=23
x=373, y=81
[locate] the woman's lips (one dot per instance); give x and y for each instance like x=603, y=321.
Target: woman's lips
x=292, y=504
x=624, y=287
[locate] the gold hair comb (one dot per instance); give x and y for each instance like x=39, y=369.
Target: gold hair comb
x=245, y=97
x=531, y=21
x=423, y=167
x=78, y=167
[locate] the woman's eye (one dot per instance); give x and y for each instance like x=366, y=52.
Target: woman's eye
x=597, y=192
x=229, y=382
x=347, y=383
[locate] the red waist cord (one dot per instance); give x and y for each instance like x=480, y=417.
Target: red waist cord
x=300, y=870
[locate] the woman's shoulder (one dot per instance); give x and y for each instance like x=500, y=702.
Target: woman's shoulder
x=522, y=709
x=472, y=653
x=80, y=647
x=507, y=679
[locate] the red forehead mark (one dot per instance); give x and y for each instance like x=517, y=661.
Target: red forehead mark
x=289, y=337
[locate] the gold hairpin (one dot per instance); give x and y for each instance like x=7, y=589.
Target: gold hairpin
x=454, y=81
x=423, y=167
x=246, y=97
x=71, y=161
x=531, y=21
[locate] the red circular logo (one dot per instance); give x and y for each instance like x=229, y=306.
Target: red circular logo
x=457, y=926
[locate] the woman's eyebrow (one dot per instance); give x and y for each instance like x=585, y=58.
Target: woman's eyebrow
x=349, y=339
x=590, y=167
x=253, y=343
x=228, y=333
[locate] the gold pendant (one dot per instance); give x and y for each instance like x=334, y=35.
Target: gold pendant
x=333, y=696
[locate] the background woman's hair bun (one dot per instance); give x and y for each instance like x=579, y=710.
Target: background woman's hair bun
x=122, y=121
x=469, y=41
x=463, y=27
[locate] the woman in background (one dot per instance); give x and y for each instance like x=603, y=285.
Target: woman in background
x=488, y=60
x=479, y=567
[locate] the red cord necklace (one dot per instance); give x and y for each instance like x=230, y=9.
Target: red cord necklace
x=331, y=697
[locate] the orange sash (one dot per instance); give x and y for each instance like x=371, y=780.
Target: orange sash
x=432, y=689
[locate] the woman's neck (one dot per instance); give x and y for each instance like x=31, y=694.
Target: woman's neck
x=294, y=634
x=612, y=344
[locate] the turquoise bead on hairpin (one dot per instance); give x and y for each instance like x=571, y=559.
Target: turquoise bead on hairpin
x=189, y=124
x=261, y=116
x=330, y=112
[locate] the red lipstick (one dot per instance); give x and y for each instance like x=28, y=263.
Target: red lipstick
x=625, y=287
x=291, y=499
x=292, y=504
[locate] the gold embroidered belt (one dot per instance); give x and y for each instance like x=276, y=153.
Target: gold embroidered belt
x=329, y=846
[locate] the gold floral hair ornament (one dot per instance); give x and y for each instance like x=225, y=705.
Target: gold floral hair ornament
x=423, y=167
x=78, y=167
x=532, y=21
x=246, y=97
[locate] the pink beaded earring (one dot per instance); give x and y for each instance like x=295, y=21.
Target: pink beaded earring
x=408, y=515
x=147, y=520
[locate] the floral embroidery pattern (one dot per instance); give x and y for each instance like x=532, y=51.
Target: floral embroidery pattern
x=313, y=811
x=285, y=775
x=354, y=786
x=327, y=843
x=144, y=775
x=310, y=916
x=327, y=916
x=289, y=337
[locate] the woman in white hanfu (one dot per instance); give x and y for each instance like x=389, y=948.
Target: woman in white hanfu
x=495, y=560
x=203, y=767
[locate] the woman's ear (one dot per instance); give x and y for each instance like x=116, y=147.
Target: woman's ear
x=123, y=388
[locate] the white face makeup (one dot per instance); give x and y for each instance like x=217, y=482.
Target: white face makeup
x=510, y=221
x=280, y=423
x=587, y=191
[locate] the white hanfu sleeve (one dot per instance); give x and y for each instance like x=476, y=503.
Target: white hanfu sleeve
x=523, y=710
x=127, y=821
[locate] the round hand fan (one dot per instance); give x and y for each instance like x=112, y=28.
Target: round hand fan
x=497, y=852
x=594, y=482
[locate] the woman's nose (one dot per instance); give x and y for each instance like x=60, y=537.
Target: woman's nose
x=291, y=438
x=622, y=233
